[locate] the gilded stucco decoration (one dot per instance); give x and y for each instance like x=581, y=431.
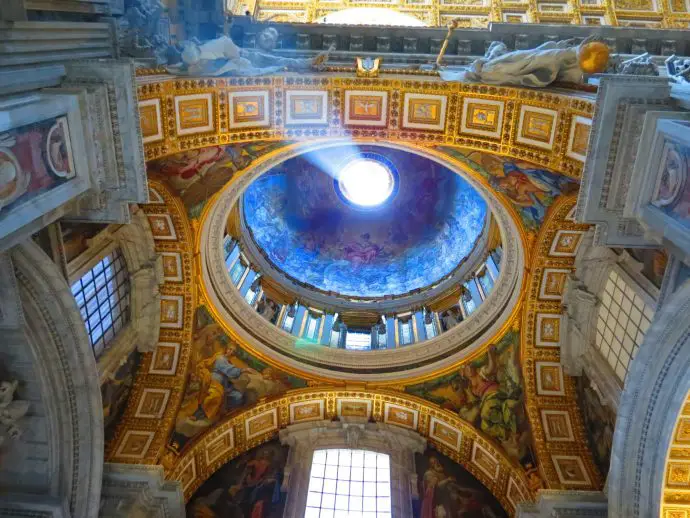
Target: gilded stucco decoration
x=479, y=13
x=447, y=432
x=560, y=441
x=675, y=501
x=148, y=420
x=548, y=129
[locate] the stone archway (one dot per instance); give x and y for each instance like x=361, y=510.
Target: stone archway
x=57, y=465
x=651, y=401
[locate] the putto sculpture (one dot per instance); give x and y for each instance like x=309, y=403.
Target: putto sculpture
x=222, y=57
x=139, y=31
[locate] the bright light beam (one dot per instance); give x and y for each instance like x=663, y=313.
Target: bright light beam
x=366, y=182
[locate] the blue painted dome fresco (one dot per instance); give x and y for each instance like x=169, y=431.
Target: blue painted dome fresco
x=364, y=221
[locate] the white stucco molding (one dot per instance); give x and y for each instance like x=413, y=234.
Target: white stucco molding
x=355, y=433
x=145, y=276
x=658, y=381
x=137, y=491
x=562, y=504
x=65, y=368
x=582, y=300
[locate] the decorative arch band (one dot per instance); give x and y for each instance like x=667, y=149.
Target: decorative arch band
x=449, y=434
x=547, y=129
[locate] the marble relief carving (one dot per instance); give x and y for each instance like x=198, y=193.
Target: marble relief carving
x=34, y=159
x=672, y=194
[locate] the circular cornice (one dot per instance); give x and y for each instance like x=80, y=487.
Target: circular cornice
x=384, y=366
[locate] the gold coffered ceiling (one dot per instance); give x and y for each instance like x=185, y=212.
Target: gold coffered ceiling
x=478, y=13
x=545, y=128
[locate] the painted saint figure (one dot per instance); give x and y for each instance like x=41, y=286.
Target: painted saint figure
x=218, y=392
x=452, y=493
x=527, y=187
x=246, y=487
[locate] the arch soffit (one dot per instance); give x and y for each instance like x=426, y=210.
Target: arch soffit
x=643, y=454
x=545, y=128
x=550, y=395
x=70, y=387
x=488, y=323
x=448, y=433
x=161, y=377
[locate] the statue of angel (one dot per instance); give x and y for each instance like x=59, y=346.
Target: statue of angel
x=221, y=57
x=539, y=67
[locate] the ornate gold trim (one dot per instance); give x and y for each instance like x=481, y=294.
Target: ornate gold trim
x=531, y=355
x=195, y=454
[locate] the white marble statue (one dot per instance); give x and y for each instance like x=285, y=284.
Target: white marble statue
x=678, y=69
x=539, y=67
x=221, y=57
x=641, y=65
x=11, y=411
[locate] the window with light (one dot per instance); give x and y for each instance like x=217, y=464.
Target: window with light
x=623, y=320
x=406, y=336
x=102, y=295
x=237, y=271
x=348, y=483
x=311, y=328
x=358, y=339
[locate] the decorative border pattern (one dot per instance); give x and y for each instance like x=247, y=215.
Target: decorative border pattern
x=478, y=14
x=547, y=443
x=165, y=368
x=675, y=502
x=208, y=452
x=373, y=108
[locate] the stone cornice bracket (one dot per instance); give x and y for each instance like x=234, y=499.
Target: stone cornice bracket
x=622, y=102
x=116, y=156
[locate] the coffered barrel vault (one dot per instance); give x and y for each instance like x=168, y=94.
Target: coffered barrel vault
x=545, y=128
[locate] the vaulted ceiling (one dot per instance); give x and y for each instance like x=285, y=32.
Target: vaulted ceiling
x=485, y=406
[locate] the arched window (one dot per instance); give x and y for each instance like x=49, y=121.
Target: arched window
x=623, y=320
x=102, y=294
x=345, y=482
